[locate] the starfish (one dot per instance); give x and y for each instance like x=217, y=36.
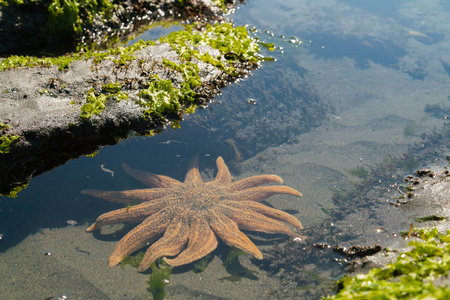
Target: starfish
x=184, y=220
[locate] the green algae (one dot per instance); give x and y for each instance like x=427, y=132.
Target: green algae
x=6, y=141
x=224, y=37
x=159, y=278
x=132, y=260
x=234, y=267
x=160, y=97
x=96, y=103
x=412, y=276
x=119, y=55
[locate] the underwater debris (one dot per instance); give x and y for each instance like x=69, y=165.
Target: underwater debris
x=358, y=250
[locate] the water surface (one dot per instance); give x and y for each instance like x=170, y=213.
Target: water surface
x=352, y=93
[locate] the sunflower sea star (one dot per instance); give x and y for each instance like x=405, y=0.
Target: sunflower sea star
x=185, y=219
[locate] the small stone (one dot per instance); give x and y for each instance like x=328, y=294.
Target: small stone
x=251, y=101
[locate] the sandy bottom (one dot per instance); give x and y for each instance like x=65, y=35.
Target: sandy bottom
x=68, y=261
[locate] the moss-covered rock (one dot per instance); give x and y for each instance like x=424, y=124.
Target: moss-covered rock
x=55, y=105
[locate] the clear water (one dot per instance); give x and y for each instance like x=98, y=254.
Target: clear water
x=371, y=65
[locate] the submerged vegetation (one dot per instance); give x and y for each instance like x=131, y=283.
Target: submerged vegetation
x=412, y=275
x=159, y=276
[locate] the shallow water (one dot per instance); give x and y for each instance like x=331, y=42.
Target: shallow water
x=352, y=93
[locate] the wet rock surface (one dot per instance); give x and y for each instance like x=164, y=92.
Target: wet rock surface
x=42, y=106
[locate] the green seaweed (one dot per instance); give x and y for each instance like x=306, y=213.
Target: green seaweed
x=94, y=104
x=160, y=97
x=200, y=265
x=6, y=141
x=3, y=126
x=159, y=278
x=132, y=260
x=412, y=276
x=234, y=267
x=359, y=171
x=224, y=37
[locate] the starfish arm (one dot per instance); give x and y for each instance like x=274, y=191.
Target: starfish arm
x=136, y=213
x=202, y=241
x=228, y=231
x=261, y=193
x=252, y=182
x=150, y=179
x=193, y=174
x=137, y=238
x=253, y=221
x=173, y=241
x=267, y=211
x=130, y=196
x=223, y=176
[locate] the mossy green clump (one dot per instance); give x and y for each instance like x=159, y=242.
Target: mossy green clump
x=96, y=103
x=132, y=260
x=162, y=97
x=359, y=171
x=412, y=276
x=6, y=141
x=224, y=37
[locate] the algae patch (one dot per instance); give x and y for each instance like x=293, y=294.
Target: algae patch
x=412, y=275
x=6, y=141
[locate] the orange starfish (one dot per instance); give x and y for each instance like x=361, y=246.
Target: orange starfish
x=191, y=215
